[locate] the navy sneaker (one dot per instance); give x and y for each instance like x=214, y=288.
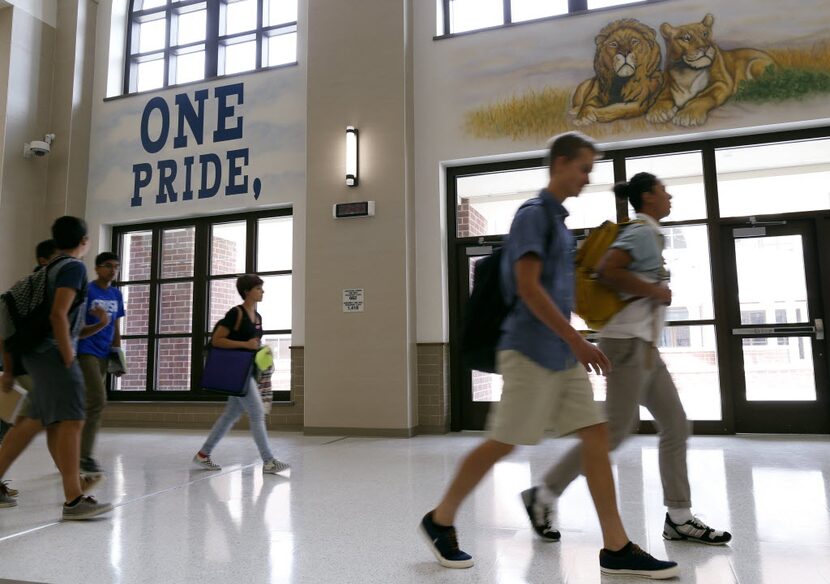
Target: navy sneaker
x=696, y=531
x=444, y=544
x=633, y=561
x=539, y=515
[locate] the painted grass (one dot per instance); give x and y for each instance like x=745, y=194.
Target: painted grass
x=537, y=114
x=783, y=84
x=543, y=113
x=815, y=58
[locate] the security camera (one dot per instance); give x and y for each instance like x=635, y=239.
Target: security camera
x=38, y=148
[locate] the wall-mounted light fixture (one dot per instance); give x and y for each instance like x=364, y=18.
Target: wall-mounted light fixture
x=351, y=156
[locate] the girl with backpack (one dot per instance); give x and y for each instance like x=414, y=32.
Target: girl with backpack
x=241, y=328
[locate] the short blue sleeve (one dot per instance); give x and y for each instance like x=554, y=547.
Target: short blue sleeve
x=121, y=311
x=529, y=233
x=71, y=275
x=635, y=240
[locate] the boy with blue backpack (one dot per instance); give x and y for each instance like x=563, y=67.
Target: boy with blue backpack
x=544, y=363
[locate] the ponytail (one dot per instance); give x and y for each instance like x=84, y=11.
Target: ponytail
x=640, y=183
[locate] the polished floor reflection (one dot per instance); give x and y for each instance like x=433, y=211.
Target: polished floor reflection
x=348, y=512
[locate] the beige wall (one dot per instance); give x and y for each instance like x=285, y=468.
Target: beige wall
x=71, y=108
x=45, y=76
x=360, y=368
x=27, y=117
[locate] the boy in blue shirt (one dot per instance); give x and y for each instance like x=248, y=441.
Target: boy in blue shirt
x=94, y=351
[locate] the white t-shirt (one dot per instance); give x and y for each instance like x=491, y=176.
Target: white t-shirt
x=643, y=318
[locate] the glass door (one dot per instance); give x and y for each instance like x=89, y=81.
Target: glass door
x=479, y=389
x=779, y=373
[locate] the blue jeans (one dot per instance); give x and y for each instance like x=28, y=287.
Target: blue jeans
x=251, y=403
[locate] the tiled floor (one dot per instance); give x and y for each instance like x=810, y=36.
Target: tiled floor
x=348, y=512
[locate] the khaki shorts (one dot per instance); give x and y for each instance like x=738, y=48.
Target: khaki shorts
x=535, y=399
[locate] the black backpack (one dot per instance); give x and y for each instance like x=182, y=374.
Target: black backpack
x=25, y=310
x=486, y=310
x=483, y=315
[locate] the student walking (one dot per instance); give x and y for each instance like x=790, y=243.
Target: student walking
x=57, y=399
x=633, y=266
x=543, y=361
x=241, y=328
x=94, y=351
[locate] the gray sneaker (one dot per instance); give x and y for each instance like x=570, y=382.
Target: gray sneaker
x=86, y=508
x=274, y=466
x=205, y=462
x=6, y=497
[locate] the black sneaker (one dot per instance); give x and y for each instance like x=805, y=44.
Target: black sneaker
x=694, y=530
x=539, y=515
x=444, y=544
x=89, y=466
x=633, y=561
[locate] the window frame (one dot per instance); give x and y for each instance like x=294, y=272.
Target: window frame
x=201, y=279
x=575, y=7
x=213, y=42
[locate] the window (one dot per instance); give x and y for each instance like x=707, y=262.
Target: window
x=456, y=16
x=179, y=279
x=171, y=42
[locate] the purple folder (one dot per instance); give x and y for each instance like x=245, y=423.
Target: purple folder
x=228, y=371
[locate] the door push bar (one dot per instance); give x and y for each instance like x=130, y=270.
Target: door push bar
x=817, y=330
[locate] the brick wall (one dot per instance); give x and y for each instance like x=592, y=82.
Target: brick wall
x=471, y=223
x=433, y=388
x=202, y=415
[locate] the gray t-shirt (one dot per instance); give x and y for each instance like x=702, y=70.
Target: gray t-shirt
x=71, y=273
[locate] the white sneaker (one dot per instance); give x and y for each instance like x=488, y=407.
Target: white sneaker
x=274, y=466
x=696, y=531
x=205, y=462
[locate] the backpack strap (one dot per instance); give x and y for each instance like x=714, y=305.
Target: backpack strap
x=238, y=319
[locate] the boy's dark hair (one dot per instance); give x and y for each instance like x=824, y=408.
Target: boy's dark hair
x=569, y=145
x=246, y=283
x=45, y=249
x=104, y=257
x=68, y=232
x=633, y=190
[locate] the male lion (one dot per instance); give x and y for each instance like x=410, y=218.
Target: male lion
x=699, y=76
x=627, y=75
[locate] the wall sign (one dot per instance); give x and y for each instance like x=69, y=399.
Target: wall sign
x=353, y=300
x=193, y=177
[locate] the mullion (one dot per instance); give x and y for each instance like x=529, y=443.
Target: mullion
x=259, y=34
x=167, y=45
x=155, y=268
x=212, y=40
x=200, y=301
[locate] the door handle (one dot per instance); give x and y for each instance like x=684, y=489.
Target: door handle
x=819, y=329
x=481, y=250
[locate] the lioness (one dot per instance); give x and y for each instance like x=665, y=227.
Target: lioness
x=699, y=76
x=627, y=76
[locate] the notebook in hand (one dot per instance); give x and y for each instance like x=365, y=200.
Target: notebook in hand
x=11, y=403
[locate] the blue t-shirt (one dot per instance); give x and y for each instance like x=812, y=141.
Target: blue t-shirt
x=109, y=299
x=539, y=228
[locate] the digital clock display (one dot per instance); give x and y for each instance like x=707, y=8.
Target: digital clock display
x=361, y=209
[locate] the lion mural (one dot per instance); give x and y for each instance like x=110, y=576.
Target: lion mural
x=699, y=76
x=627, y=76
